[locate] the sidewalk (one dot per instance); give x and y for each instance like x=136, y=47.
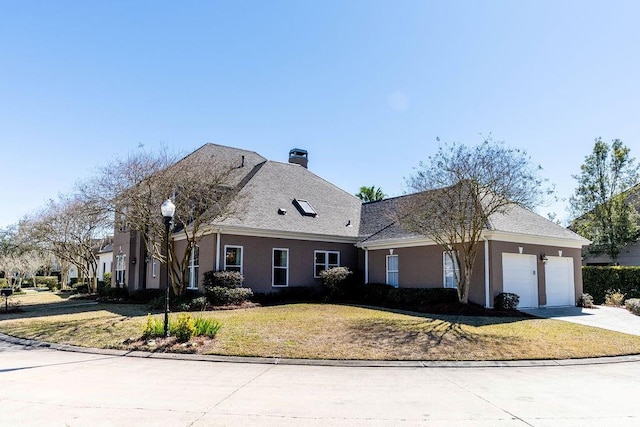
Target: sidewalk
x=612, y=318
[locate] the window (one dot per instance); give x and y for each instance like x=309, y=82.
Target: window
x=280, y=275
x=451, y=271
x=304, y=207
x=194, y=267
x=233, y=258
x=325, y=260
x=392, y=270
x=121, y=268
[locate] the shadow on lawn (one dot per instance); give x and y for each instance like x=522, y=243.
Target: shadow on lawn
x=72, y=306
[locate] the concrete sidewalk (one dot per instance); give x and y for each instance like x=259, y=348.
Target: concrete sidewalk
x=612, y=318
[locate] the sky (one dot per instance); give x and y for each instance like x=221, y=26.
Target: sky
x=367, y=87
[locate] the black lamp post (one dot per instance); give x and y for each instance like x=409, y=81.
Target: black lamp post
x=168, y=209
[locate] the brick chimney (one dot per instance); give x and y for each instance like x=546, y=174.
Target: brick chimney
x=299, y=156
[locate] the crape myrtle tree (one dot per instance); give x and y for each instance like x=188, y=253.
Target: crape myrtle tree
x=202, y=188
x=601, y=204
x=455, y=192
x=370, y=194
x=20, y=257
x=71, y=228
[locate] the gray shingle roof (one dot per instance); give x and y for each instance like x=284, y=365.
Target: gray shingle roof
x=377, y=223
x=275, y=185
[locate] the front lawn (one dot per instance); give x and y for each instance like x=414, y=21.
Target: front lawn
x=329, y=331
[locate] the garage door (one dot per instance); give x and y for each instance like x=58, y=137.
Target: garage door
x=520, y=276
x=559, y=285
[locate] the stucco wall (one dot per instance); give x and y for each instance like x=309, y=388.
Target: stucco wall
x=422, y=267
x=257, y=258
x=496, y=249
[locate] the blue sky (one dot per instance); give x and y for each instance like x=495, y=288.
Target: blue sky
x=365, y=86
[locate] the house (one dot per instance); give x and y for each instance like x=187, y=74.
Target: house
x=295, y=224
x=105, y=261
x=521, y=252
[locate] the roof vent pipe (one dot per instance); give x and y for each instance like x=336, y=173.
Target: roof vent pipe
x=299, y=156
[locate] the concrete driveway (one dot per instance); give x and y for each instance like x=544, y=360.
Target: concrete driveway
x=612, y=318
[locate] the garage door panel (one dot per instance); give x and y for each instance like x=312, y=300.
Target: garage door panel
x=559, y=281
x=520, y=276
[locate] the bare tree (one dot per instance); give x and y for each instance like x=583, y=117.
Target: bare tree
x=456, y=192
x=72, y=228
x=203, y=188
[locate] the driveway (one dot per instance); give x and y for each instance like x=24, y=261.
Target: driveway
x=612, y=318
x=44, y=387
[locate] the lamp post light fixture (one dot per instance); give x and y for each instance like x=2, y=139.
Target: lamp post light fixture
x=168, y=210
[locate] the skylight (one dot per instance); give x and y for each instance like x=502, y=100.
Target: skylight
x=305, y=207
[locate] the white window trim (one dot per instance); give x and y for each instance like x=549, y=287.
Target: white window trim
x=326, y=260
x=392, y=271
x=193, y=266
x=241, y=257
x=273, y=267
x=445, y=257
x=121, y=266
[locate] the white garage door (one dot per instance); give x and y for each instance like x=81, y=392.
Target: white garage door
x=520, y=276
x=559, y=285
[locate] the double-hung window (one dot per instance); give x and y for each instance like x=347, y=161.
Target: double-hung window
x=325, y=260
x=233, y=258
x=194, y=267
x=392, y=270
x=451, y=271
x=280, y=268
x=121, y=268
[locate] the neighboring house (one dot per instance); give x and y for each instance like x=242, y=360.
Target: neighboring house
x=105, y=261
x=295, y=224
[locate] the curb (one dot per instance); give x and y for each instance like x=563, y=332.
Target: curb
x=33, y=344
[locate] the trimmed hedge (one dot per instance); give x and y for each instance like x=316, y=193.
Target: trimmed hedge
x=388, y=296
x=598, y=280
x=222, y=279
x=4, y=283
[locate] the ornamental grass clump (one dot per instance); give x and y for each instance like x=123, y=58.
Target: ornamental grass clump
x=206, y=327
x=614, y=297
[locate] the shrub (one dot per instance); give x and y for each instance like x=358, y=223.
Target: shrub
x=146, y=296
x=106, y=278
x=198, y=303
x=218, y=295
x=598, y=280
x=153, y=327
x=335, y=279
x=4, y=283
x=183, y=328
x=206, y=327
x=223, y=279
x=50, y=282
x=506, y=301
x=287, y=295
x=633, y=305
x=585, y=301
x=158, y=302
x=409, y=298
x=614, y=297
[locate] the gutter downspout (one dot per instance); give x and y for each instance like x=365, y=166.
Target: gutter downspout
x=487, y=302
x=366, y=266
x=218, y=237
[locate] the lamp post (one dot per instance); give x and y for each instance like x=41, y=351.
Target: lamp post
x=168, y=209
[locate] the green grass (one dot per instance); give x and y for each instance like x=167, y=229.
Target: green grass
x=330, y=332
